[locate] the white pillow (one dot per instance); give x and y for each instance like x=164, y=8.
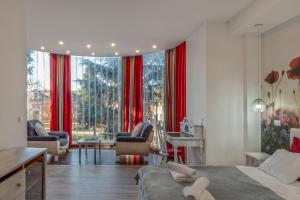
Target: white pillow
x=283, y=165
x=40, y=130
x=271, y=162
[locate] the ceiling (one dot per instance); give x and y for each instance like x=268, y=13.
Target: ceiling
x=131, y=24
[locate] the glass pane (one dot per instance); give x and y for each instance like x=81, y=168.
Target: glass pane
x=95, y=96
x=154, y=67
x=38, y=87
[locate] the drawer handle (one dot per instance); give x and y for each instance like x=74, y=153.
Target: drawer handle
x=19, y=184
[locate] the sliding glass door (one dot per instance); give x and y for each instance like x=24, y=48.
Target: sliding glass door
x=154, y=68
x=38, y=87
x=96, y=97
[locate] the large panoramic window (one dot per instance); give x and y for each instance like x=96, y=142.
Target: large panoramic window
x=96, y=97
x=154, y=66
x=38, y=84
x=96, y=93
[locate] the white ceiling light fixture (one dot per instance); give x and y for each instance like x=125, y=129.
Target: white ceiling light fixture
x=61, y=43
x=42, y=48
x=116, y=53
x=93, y=53
x=113, y=44
x=88, y=46
x=154, y=46
x=259, y=104
x=137, y=51
x=68, y=52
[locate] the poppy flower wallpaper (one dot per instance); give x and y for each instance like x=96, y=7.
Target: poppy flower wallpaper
x=283, y=107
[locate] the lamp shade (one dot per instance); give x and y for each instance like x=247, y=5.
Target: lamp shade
x=259, y=105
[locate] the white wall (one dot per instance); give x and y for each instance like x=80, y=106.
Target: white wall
x=196, y=75
x=222, y=78
x=224, y=96
x=196, y=83
x=252, y=120
x=279, y=46
x=215, y=91
x=12, y=73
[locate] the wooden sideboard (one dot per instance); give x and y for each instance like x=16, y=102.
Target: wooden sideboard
x=23, y=173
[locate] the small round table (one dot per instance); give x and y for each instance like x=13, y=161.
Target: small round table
x=86, y=142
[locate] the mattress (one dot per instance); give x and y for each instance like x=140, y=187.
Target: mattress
x=226, y=183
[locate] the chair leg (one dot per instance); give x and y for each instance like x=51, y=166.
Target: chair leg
x=117, y=159
x=145, y=159
x=56, y=158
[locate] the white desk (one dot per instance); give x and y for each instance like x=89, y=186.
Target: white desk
x=181, y=139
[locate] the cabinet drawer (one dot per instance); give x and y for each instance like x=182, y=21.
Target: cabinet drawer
x=13, y=187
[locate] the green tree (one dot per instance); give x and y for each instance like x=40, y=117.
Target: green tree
x=98, y=94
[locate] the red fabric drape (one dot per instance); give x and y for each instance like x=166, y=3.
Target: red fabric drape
x=65, y=99
x=132, y=107
x=169, y=92
x=126, y=93
x=178, y=107
x=67, y=104
x=180, y=84
x=53, y=93
x=137, y=104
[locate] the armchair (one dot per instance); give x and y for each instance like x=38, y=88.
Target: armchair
x=56, y=141
x=139, y=145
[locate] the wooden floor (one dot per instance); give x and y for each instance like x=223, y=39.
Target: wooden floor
x=107, y=157
x=74, y=182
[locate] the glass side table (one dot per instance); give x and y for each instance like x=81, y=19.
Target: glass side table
x=89, y=142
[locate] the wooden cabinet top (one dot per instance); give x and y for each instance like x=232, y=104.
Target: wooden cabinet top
x=13, y=158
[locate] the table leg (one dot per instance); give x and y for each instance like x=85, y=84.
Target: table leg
x=187, y=149
x=86, y=149
x=95, y=149
x=99, y=149
x=79, y=148
x=175, y=147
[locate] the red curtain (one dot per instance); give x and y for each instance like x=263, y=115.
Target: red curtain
x=168, y=96
x=126, y=93
x=180, y=84
x=53, y=93
x=60, y=64
x=137, y=104
x=132, y=80
x=175, y=94
x=67, y=104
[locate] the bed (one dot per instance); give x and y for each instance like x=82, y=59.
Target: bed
x=226, y=183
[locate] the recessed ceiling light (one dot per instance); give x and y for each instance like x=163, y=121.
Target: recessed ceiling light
x=137, y=51
x=116, y=53
x=88, y=46
x=113, y=44
x=93, y=54
x=61, y=43
x=42, y=47
x=68, y=52
x=154, y=46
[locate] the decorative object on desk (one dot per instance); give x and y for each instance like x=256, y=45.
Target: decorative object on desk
x=184, y=125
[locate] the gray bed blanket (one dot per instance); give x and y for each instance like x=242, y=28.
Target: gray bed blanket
x=226, y=183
